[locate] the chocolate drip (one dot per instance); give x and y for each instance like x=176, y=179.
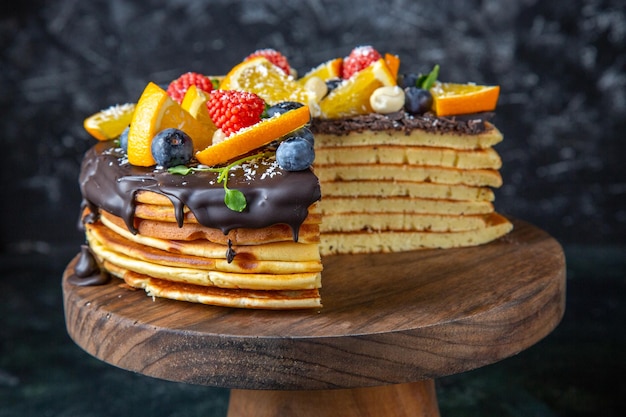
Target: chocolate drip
x=87, y=271
x=230, y=252
x=273, y=196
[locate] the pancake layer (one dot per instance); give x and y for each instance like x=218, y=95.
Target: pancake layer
x=173, y=236
x=398, y=183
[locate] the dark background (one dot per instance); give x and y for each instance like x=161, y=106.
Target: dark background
x=561, y=66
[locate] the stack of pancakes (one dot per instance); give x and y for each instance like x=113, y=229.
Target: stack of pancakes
x=270, y=267
x=403, y=188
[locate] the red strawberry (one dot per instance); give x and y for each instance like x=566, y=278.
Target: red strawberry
x=179, y=86
x=232, y=110
x=360, y=57
x=274, y=57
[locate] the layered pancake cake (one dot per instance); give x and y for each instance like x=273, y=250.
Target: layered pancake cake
x=396, y=183
x=229, y=190
x=240, y=233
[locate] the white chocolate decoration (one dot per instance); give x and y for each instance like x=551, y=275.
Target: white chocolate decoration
x=387, y=99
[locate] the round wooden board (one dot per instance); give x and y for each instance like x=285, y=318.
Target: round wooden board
x=387, y=319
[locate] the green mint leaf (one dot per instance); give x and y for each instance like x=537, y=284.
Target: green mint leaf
x=430, y=79
x=420, y=80
x=235, y=200
x=180, y=170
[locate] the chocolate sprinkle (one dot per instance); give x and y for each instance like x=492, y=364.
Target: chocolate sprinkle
x=469, y=124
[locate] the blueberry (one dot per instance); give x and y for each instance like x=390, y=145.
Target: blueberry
x=417, y=100
x=295, y=154
x=124, y=140
x=171, y=147
x=282, y=107
x=333, y=83
x=408, y=80
x=303, y=133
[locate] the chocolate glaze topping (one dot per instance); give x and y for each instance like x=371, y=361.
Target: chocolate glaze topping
x=469, y=124
x=274, y=196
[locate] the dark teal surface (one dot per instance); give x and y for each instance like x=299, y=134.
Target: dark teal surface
x=576, y=371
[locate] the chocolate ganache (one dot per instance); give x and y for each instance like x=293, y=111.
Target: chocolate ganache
x=273, y=195
x=467, y=124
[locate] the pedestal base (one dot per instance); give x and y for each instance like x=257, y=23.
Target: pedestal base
x=416, y=399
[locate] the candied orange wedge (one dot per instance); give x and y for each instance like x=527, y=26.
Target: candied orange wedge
x=352, y=96
x=450, y=99
x=393, y=63
x=254, y=137
x=326, y=71
x=109, y=123
x=260, y=76
x=156, y=111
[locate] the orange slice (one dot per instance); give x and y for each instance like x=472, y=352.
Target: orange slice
x=450, y=98
x=194, y=103
x=352, y=97
x=260, y=76
x=156, y=111
x=109, y=123
x=393, y=62
x=326, y=71
x=253, y=137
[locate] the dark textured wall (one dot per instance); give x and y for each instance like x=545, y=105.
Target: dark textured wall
x=561, y=66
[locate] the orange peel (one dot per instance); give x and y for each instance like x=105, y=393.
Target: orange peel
x=254, y=137
x=109, y=123
x=258, y=75
x=156, y=111
x=451, y=99
x=352, y=97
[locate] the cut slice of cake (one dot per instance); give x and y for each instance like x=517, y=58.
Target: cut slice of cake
x=240, y=232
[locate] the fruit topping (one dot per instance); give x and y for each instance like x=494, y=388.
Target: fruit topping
x=179, y=86
x=408, y=80
x=352, y=96
x=393, y=62
x=171, y=147
x=359, y=58
x=295, y=153
x=326, y=71
x=254, y=137
x=233, y=110
x=156, y=111
x=452, y=99
x=306, y=134
x=333, y=83
x=274, y=57
x=109, y=123
x=282, y=107
x=417, y=100
x=195, y=103
x=258, y=75
x=123, y=139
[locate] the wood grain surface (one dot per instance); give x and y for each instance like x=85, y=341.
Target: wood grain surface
x=387, y=319
x=414, y=399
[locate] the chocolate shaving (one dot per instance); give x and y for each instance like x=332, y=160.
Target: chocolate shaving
x=469, y=124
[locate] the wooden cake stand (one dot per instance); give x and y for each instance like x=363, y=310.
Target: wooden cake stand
x=390, y=324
